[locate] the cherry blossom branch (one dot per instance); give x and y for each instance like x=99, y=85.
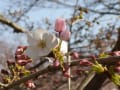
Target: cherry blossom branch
x=91, y=10
x=8, y=22
x=105, y=61
x=31, y=76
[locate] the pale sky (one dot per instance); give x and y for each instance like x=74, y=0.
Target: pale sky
x=37, y=15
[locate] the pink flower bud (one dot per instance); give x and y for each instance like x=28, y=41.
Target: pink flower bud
x=116, y=53
x=65, y=35
x=117, y=68
x=75, y=55
x=60, y=25
x=22, y=47
x=92, y=57
x=66, y=74
x=20, y=50
x=30, y=84
x=56, y=63
x=22, y=56
x=23, y=62
x=85, y=62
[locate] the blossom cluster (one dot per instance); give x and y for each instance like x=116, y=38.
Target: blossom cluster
x=16, y=68
x=60, y=26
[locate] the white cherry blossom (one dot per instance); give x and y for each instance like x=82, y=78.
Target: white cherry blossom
x=40, y=43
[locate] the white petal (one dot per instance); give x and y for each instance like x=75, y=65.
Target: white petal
x=34, y=37
x=33, y=52
x=54, y=41
x=31, y=40
x=44, y=52
x=64, y=46
x=38, y=34
x=51, y=41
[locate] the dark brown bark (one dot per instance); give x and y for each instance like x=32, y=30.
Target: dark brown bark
x=96, y=82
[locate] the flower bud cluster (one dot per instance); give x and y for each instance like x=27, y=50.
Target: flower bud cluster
x=20, y=57
x=60, y=26
x=16, y=68
x=117, y=65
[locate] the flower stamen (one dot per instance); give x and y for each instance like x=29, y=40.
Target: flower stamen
x=42, y=44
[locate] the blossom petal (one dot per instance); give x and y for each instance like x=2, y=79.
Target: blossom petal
x=34, y=37
x=31, y=40
x=64, y=46
x=44, y=52
x=33, y=52
x=54, y=41
x=51, y=40
x=38, y=34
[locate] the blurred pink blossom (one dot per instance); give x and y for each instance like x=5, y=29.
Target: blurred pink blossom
x=30, y=84
x=60, y=25
x=20, y=58
x=117, y=68
x=75, y=55
x=65, y=35
x=56, y=63
x=116, y=53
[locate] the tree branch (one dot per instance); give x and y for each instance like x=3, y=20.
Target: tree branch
x=91, y=10
x=109, y=60
x=8, y=22
x=27, y=10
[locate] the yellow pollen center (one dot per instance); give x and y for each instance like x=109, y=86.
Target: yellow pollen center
x=42, y=44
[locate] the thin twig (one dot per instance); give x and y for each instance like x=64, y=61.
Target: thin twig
x=91, y=10
x=27, y=10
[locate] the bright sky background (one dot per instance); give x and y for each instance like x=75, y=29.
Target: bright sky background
x=37, y=15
